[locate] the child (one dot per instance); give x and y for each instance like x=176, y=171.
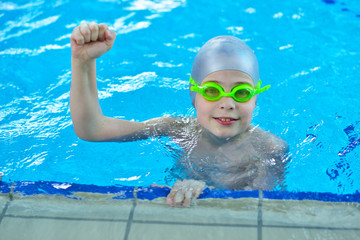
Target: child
x=221, y=147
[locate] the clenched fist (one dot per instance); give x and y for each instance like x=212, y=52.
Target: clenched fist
x=91, y=40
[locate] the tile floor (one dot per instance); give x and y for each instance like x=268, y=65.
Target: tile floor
x=99, y=217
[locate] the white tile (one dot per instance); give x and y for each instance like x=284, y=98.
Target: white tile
x=213, y=211
x=36, y=229
x=189, y=232
x=311, y=213
x=68, y=208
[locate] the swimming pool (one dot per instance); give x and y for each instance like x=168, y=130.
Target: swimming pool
x=307, y=51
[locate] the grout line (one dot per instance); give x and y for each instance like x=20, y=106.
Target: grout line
x=67, y=218
x=260, y=220
x=316, y=228
x=133, y=221
x=195, y=224
x=2, y=215
x=131, y=215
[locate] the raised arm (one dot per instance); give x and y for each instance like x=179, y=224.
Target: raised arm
x=88, y=42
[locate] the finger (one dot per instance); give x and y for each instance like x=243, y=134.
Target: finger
x=179, y=198
x=187, y=198
x=174, y=190
x=85, y=31
x=197, y=192
x=102, y=28
x=94, y=28
x=110, y=35
x=170, y=198
x=198, y=187
x=77, y=36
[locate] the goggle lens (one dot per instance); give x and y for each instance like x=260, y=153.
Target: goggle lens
x=213, y=91
x=242, y=94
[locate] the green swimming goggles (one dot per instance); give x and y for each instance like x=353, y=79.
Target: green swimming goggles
x=213, y=91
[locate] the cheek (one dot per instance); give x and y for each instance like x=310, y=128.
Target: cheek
x=250, y=107
x=247, y=110
x=203, y=109
x=200, y=105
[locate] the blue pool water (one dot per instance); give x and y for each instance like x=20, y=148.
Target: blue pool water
x=308, y=51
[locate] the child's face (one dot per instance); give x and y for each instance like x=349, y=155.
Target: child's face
x=225, y=118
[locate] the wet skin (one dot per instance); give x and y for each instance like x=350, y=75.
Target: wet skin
x=219, y=147
x=253, y=160
x=225, y=118
x=223, y=149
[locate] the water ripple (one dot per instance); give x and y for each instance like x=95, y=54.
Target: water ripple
x=9, y=6
x=127, y=84
x=165, y=64
x=120, y=27
x=156, y=6
x=34, y=52
x=38, y=115
x=24, y=23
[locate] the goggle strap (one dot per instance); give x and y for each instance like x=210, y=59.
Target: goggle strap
x=194, y=88
x=260, y=90
x=263, y=89
x=192, y=81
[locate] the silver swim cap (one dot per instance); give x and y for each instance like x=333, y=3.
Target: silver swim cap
x=224, y=53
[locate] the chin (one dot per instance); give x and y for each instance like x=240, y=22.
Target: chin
x=224, y=134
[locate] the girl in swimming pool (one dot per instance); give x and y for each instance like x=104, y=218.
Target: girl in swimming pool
x=222, y=148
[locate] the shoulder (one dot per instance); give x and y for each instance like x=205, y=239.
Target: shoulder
x=172, y=126
x=268, y=141
x=172, y=122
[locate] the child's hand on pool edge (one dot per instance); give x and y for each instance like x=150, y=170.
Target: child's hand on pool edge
x=183, y=192
x=91, y=40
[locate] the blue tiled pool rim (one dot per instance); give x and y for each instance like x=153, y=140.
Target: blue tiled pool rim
x=69, y=190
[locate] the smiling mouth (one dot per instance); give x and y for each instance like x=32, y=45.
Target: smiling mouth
x=226, y=120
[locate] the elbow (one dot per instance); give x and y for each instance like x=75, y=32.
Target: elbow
x=85, y=135
x=82, y=136
x=85, y=138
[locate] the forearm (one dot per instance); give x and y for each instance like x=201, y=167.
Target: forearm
x=84, y=104
x=90, y=41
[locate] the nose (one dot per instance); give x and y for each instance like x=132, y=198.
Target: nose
x=227, y=103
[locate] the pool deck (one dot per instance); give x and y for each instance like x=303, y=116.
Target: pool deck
x=108, y=216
